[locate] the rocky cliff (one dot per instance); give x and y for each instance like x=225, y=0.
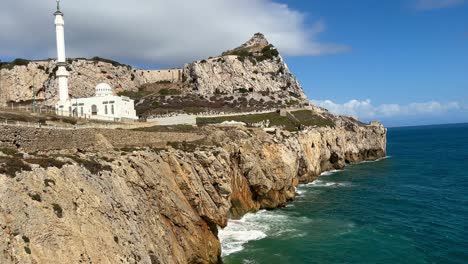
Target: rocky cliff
x=256, y=67
x=161, y=205
x=21, y=80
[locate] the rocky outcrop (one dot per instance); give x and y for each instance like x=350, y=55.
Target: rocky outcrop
x=163, y=206
x=22, y=82
x=255, y=67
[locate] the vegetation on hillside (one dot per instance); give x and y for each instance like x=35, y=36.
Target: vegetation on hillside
x=294, y=121
x=12, y=64
x=114, y=63
x=267, y=53
x=32, y=118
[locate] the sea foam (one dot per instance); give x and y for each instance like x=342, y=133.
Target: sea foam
x=320, y=183
x=257, y=226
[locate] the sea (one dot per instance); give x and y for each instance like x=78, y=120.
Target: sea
x=410, y=207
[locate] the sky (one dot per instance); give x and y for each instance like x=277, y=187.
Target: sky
x=403, y=62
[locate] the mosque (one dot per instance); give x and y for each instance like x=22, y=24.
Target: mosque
x=104, y=105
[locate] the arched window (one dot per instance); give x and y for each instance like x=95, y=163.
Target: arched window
x=94, y=110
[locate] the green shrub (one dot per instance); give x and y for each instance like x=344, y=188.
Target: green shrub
x=166, y=92
x=268, y=53
x=16, y=62
x=243, y=52
x=10, y=152
x=46, y=162
x=114, y=63
x=241, y=59
x=292, y=122
x=294, y=95
x=13, y=165
x=35, y=197
x=27, y=250
x=133, y=95
x=93, y=166
x=243, y=90
x=25, y=239
x=58, y=211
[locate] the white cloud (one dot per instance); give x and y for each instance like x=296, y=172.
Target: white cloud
x=365, y=110
x=436, y=4
x=155, y=31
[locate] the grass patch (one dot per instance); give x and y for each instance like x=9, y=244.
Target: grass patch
x=46, y=162
x=10, y=152
x=166, y=92
x=308, y=118
x=134, y=95
x=10, y=166
x=28, y=117
x=177, y=129
x=274, y=118
x=92, y=165
x=299, y=119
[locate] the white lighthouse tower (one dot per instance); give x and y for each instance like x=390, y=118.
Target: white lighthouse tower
x=62, y=73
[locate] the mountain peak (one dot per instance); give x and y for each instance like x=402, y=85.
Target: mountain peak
x=258, y=40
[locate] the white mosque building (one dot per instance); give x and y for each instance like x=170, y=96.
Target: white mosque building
x=103, y=106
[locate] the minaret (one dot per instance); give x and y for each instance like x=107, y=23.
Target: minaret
x=62, y=73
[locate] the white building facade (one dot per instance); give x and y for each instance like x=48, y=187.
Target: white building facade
x=103, y=106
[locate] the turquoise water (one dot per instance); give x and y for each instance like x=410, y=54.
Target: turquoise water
x=409, y=208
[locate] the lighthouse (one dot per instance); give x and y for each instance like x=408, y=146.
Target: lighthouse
x=62, y=73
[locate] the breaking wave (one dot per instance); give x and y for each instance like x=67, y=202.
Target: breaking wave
x=377, y=160
x=257, y=226
x=320, y=183
x=328, y=173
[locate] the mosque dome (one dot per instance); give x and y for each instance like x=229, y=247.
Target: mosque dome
x=103, y=89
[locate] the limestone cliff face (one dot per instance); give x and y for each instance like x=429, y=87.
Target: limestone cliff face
x=21, y=82
x=164, y=206
x=256, y=66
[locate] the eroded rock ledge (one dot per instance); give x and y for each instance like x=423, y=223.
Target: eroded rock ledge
x=164, y=206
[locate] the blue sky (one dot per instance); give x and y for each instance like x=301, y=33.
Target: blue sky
x=399, y=54
x=404, y=62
